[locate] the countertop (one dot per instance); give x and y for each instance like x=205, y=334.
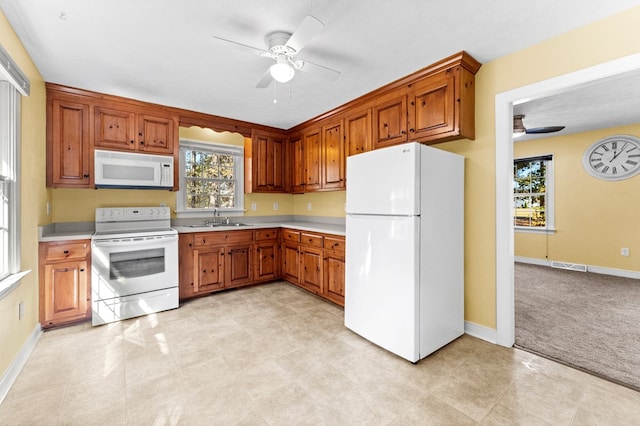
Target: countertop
x=65, y=232
x=303, y=226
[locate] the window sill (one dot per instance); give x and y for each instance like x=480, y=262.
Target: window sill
x=9, y=283
x=535, y=230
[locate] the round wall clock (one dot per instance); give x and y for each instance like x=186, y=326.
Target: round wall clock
x=613, y=158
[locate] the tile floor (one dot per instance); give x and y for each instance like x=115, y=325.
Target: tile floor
x=275, y=355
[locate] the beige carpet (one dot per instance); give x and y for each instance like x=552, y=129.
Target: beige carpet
x=590, y=321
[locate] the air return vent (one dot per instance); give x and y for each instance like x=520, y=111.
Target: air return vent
x=569, y=266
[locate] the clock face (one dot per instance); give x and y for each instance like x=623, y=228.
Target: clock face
x=613, y=158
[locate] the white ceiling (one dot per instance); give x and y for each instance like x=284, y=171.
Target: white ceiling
x=164, y=52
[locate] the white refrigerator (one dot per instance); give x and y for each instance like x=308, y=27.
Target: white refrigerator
x=404, y=286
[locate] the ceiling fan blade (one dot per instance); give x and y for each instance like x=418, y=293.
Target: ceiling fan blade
x=265, y=80
x=308, y=29
x=245, y=47
x=545, y=129
x=319, y=70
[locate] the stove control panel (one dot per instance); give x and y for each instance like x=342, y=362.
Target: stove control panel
x=128, y=214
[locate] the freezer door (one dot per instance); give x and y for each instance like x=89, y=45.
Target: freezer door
x=382, y=275
x=384, y=181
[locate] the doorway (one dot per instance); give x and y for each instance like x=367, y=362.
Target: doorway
x=505, y=294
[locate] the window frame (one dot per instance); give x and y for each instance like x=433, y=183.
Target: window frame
x=237, y=152
x=10, y=122
x=549, y=195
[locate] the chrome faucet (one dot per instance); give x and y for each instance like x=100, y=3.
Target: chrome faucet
x=217, y=220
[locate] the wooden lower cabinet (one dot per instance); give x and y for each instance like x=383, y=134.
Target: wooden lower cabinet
x=311, y=271
x=218, y=260
x=65, y=292
x=315, y=262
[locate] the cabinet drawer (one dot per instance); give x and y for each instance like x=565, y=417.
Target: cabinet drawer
x=312, y=240
x=334, y=243
x=217, y=238
x=289, y=235
x=266, y=234
x=56, y=251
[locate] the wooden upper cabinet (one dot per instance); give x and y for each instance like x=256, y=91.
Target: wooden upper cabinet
x=268, y=155
x=432, y=107
x=126, y=130
x=390, y=120
x=333, y=156
x=358, y=132
x=157, y=134
x=114, y=129
x=312, y=147
x=68, y=144
x=298, y=176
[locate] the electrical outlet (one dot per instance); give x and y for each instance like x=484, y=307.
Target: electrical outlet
x=275, y=206
x=20, y=310
x=624, y=251
x=48, y=209
x=254, y=207
x=309, y=206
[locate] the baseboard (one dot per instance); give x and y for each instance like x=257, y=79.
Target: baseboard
x=590, y=268
x=481, y=332
x=532, y=261
x=19, y=361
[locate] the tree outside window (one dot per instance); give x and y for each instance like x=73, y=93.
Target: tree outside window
x=530, y=193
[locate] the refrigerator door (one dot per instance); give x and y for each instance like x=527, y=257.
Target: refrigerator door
x=382, y=275
x=384, y=181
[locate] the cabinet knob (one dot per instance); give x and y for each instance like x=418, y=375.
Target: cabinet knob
x=82, y=270
x=132, y=141
x=141, y=142
x=66, y=252
x=412, y=130
x=85, y=176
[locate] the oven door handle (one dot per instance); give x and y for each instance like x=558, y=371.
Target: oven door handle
x=135, y=241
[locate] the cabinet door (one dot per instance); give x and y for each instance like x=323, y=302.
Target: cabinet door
x=68, y=145
x=333, y=156
x=390, y=120
x=311, y=271
x=156, y=134
x=66, y=296
x=313, y=161
x=333, y=283
x=298, y=178
x=208, y=269
x=291, y=263
x=238, y=265
x=268, y=163
x=114, y=129
x=266, y=261
x=358, y=132
x=432, y=107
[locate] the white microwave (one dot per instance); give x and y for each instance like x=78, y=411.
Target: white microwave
x=115, y=169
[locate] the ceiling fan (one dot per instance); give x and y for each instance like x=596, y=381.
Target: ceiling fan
x=283, y=48
x=519, y=129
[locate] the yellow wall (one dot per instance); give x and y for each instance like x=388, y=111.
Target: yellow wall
x=594, y=218
x=600, y=42
x=322, y=204
x=13, y=332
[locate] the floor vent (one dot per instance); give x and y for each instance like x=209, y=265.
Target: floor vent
x=569, y=266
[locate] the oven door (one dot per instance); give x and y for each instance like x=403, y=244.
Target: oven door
x=129, y=266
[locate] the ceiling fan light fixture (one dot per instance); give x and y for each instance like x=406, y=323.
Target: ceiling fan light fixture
x=282, y=71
